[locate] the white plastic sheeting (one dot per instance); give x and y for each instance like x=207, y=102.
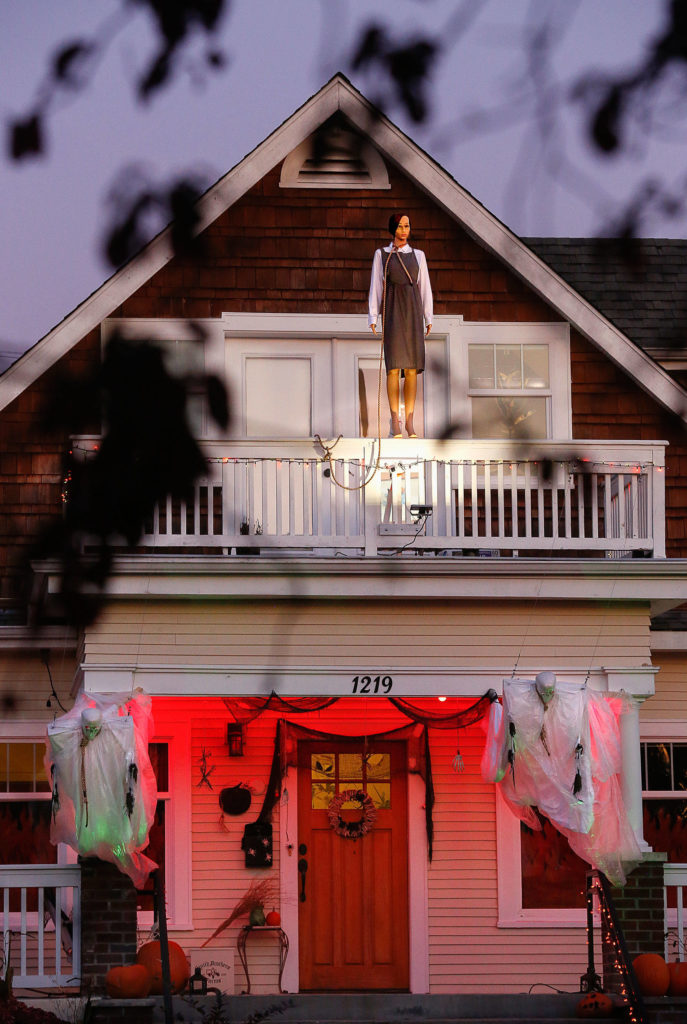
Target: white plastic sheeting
x=556, y=746
x=104, y=787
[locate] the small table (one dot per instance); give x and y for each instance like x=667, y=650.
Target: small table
x=241, y=947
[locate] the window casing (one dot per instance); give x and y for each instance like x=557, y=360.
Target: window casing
x=664, y=797
x=515, y=895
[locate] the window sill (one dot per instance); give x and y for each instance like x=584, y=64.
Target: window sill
x=546, y=919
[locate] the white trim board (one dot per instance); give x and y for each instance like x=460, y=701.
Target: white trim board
x=484, y=227
x=340, y=680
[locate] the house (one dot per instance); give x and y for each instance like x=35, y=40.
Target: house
x=557, y=548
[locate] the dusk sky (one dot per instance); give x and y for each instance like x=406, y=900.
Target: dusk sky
x=279, y=52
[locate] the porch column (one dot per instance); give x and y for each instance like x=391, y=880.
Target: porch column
x=631, y=771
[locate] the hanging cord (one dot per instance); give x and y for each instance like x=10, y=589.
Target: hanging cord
x=328, y=449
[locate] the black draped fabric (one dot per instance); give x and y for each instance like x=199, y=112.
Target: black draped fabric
x=245, y=709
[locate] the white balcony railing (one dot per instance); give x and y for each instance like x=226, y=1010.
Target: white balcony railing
x=41, y=924
x=674, y=891
x=577, y=497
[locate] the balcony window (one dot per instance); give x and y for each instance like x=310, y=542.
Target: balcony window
x=510, y=391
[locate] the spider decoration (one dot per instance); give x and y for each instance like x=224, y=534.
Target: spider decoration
x=205, y=770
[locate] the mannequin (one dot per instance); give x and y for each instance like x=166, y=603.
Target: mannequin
x=401, y=293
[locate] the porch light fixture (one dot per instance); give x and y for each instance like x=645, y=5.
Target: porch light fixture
x=235, y=739
x=198, y=983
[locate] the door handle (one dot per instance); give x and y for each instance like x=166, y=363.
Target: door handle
x=302, y=868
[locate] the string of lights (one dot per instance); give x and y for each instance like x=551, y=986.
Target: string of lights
x=401, y=461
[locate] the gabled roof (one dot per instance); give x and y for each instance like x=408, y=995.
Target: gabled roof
x=339, y=95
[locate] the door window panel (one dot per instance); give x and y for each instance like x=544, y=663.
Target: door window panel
x=369, y=772
x=278, y=397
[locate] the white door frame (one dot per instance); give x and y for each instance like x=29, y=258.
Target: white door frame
x=418, y=902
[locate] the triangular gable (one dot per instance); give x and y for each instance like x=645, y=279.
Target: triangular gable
x=339, y=95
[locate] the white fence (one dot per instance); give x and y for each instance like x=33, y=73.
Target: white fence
x=674, y=882
x=41, y=924
x=579, y=497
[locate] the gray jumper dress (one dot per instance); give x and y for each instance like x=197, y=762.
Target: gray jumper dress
x=404, y=335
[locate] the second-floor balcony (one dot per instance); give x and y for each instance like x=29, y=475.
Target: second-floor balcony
x=545, y=499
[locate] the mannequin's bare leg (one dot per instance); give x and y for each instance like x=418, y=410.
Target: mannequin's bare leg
x=393, y=390
x=409, y=395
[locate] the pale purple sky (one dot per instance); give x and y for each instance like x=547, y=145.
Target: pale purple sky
x=279, y=53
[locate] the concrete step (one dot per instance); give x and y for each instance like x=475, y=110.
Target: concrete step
x=383, y=1008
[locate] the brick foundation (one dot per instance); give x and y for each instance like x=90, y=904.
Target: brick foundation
x=108, y=922
x=639, y=908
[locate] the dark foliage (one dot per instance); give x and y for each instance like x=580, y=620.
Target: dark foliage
x=406, y=67
x=136, y=203
x=147, y=452
x=14, y=1012
x=72, y=66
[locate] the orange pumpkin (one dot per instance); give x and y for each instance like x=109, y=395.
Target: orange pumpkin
x=273, y=918
x=594, y=1004
x=678, y=979
x=652, y=974
x=149, y=955
x=132, y=981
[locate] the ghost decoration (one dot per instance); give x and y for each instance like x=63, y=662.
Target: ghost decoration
x=555, y=746
x=104, y=791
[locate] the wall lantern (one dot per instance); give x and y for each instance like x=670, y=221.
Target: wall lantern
x=198, y=983
x=235, y=739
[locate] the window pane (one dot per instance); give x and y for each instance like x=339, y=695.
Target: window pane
x=278, y=393
x=378, y=766
x=552, y=875
x=658, y=766
x=21, y=768
x=156, y=851
x=481, y=366
x=665, y=828
x=159, y=759
x=322, y=795
x=508, y=368
x=509, y=418
x=680, y=766
x=380, y=794
x=322, y=766
x=25, y=831
x=535, y=360
x=351, y=766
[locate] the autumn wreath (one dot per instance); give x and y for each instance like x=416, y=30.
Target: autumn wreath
x=352, y=829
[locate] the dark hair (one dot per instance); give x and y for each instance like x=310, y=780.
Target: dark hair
x=394, y=221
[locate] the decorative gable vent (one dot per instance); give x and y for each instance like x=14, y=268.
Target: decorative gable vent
x=346, y=161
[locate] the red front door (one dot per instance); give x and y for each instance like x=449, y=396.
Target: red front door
x=353, y=919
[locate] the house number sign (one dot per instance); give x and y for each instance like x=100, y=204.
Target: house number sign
x=372, y=684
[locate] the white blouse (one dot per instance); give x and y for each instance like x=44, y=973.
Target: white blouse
x=377, y=284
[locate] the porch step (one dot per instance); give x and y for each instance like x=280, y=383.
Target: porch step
x=385, y=1008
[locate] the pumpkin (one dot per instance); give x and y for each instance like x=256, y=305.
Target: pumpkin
x=149, y=955
x=273, y=918
x=678, y=979
x=652, y=974
x=132, y=981
x=594, y=1004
